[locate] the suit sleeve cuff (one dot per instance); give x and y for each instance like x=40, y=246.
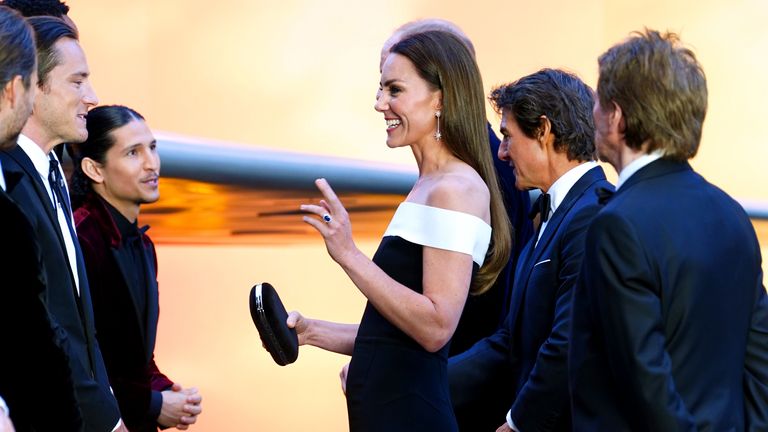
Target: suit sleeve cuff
x=155, y=404
x=510, y=422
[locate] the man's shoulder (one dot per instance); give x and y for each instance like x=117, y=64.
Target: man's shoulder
x=90, y=229
x=586, y=203
x=22, y=190
x=15, y=159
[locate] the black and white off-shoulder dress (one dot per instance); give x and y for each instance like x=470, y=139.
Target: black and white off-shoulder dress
x=393, y=383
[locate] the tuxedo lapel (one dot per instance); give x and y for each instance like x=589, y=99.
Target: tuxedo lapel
x=12, y=180
x=573, y=195
x=533, y=251
x=150, y=326
x=28, y=170
x=521, y=281
x=124, y=268
x=21, y=158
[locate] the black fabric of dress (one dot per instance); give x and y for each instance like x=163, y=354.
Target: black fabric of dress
x=394, y=384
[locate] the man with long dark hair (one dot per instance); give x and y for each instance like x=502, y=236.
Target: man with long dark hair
x=116, y=171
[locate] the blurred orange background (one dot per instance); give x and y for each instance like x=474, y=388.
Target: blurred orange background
x=302, y=75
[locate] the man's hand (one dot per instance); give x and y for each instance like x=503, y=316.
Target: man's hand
x=343, y=377
x=180, y=407
x=505, y=428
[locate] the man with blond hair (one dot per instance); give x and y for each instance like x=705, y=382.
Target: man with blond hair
x=670, y=317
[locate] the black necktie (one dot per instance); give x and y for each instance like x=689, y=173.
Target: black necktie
x=60, y=195
x=541, y=207
x=57, y=187
x=604, y=195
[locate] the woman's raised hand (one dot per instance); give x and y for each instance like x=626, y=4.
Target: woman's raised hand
x=332, y=222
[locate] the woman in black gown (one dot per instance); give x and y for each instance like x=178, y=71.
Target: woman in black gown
x=449, y=237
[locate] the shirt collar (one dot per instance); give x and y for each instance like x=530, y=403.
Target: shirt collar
x=2, y=177
x=563, y=185
x=127, y=228
x=36, y=155
x=636, y=164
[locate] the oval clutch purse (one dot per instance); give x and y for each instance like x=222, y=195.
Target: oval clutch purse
x=269, y=315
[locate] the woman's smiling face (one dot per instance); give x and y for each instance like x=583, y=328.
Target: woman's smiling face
x=407, y=101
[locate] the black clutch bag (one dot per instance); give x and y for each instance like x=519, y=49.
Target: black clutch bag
x=269, y=316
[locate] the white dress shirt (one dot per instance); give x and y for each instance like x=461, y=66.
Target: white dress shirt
x=42, y=166
x=2, y=177
x=635, y=166
x=561, y=187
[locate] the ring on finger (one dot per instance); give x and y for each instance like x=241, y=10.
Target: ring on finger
x=327, y=218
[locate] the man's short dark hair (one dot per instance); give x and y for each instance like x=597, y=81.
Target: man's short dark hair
x=30, y=8
x=17, y=47
x=661, y=89
x=48, y=30
x=563, y=99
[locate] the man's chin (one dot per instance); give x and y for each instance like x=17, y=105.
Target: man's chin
x=149, y=199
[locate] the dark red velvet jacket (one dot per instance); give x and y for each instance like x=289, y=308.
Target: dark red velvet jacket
x=127, y=342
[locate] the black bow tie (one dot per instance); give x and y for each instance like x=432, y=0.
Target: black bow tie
x=541, y=207
x=604, y=195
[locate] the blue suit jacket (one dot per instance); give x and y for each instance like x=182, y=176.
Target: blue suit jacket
x=669, y=318
x=523, y=364
x=71, y=315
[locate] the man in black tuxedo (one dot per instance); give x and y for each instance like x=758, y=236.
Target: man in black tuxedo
x=670, y=318
x=548, y=137
x=32, y=365
x=63, y=97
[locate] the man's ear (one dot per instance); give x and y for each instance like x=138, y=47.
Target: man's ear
x=8, y=95
x=617, y=118
x=544, y=134
x=92, y=169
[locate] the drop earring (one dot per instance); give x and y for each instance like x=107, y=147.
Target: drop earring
x=438, y=135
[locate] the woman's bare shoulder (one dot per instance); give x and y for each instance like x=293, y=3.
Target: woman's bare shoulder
x=460, y=189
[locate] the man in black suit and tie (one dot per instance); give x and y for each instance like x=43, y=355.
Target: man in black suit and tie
x=32, y=365
x=63, y=97
x=548, y=137
x=670, y=326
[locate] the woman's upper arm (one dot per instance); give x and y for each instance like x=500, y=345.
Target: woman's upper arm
x=448, y=274
x=446, y=280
